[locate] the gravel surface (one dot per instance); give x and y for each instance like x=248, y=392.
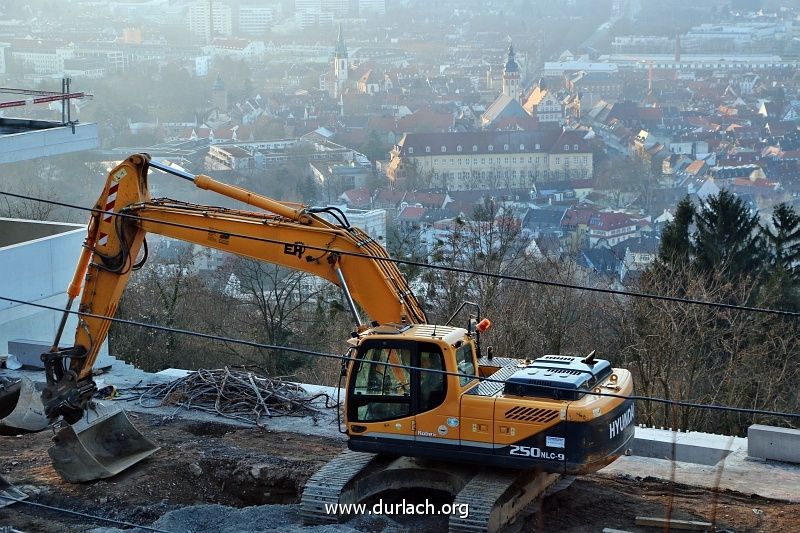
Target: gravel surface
x=256, y=519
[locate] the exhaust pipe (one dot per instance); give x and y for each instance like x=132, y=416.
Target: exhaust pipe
x=21, y=407
x=100, y=445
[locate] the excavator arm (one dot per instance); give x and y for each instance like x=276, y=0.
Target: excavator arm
x=290, y=235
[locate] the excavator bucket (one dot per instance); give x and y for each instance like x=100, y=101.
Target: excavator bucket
x=21, y=407
x=100, y=445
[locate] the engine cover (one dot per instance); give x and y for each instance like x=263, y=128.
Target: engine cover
x=560, y=377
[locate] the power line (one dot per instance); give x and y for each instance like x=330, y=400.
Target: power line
x=254, y=344
x=634, y=294
x=84, y=515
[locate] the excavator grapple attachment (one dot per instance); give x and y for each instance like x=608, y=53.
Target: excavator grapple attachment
x=21, y=407
x=100, y=445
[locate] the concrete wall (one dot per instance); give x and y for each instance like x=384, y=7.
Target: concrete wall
x=775, y=443
x=28, y=139
x=37, y=269
x=13, y=231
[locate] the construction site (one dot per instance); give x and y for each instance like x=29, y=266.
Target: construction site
x=216, y=473
x=427, y=431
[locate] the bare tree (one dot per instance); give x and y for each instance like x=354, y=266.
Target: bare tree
x=680, y=351
x=491, y=243
x=11, y=207
x=276, y=302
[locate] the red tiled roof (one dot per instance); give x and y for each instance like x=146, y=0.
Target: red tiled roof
x=426, y=198
x=389, y=196
x=356, y=197
x=695, y=167
x=576, y=216
x=410, y=213
x=425, y=120
x=760, y=183
x=609, y=221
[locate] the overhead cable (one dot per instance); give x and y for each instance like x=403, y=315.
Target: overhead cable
x=634, y=294
x=346, y=358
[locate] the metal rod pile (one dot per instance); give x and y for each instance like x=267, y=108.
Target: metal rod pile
x=235, y=394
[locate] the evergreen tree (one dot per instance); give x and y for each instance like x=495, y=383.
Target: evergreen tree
x=783, y=240
x=676, y=243
x=727, y=236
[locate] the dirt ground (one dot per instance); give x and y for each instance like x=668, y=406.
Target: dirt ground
x=215, y=463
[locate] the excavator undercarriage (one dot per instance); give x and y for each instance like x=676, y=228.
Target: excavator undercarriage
x=484, y=499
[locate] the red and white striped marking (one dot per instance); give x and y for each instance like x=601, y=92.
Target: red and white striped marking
x=110, y=201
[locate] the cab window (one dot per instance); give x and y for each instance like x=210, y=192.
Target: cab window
x=384, y=390
x=433, y=386
x=466, y=363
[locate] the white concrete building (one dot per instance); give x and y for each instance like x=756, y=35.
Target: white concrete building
x=41, y=56
x=201, y=66
x=338, y=8
x=137, y=8
x=37, y=260
x=372, y=221
x=308, y=6
x=236, y=48
x=371, y=7
x=4, y=51
x=309, y=19
x=219, y=23
x=255, y=20
x=737, y=35
x=22, y=139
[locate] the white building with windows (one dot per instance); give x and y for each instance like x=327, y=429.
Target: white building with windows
x=545, y=105
x=371, y=7
x=371, y=221
x=255, y=20
x=491, y=159
x=208, y=23
x=41, y=56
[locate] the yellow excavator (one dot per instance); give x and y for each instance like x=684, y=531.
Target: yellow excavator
x=424, y=407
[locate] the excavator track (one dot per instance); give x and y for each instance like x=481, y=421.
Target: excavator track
x=496, y=498
x=563, y=483
x=326, y=486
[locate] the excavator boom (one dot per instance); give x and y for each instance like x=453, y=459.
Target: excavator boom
x=291, y=235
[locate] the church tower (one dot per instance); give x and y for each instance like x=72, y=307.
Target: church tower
x=340, y=65
x=511, y=76
x=219, y=96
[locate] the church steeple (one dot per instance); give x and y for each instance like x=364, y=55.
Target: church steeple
x=219, y=96
x=341, y=48
x=511, y=75
x=340, y=65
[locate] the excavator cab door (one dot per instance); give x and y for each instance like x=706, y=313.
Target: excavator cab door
x=380, y=399
x=437, y=420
